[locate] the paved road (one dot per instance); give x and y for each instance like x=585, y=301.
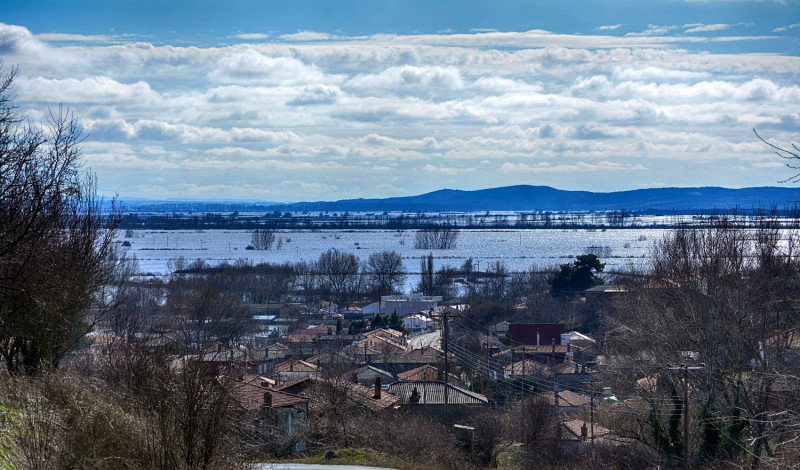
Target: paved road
x=302, y=466
x=425, y=339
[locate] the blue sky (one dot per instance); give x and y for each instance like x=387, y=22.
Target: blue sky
x=308, y=100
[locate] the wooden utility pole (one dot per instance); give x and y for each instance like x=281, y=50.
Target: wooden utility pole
x=686, y=370
x=591, y=415
x=445, y=315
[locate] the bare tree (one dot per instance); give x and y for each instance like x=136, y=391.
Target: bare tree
x=263, y=238
x=385, y=271
x=206, y=314
x=438, y=237
x=793, y=155
x=723, y=300
x=338, y=273
x=54, y=239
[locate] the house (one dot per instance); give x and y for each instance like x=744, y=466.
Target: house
x=366, y=375
x=371, y=309
x=430, y=396
x=500, y=329
x=293, y=370
x=529, y=369
x=425, y=372
x=417, y=323
x=550, y=354
x=276, y=352
x=334, y=342
x=302, y=340
x=267, y=412
x=388, y=333
x=569, y=402
x=571, y=375
x=537, y=334
x=222, y=359
x=370, y=398
x=411, y=359
x=578, y=339
x=578, y=430
x=405, y=304
x=352, y=313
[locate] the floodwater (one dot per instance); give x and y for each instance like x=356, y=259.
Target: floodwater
x=518, y=250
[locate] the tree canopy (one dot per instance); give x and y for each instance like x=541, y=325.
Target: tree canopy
x=579, y=275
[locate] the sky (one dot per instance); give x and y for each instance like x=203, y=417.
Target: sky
x=292, y=100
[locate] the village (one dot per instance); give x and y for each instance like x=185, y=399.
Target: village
x=574, y=369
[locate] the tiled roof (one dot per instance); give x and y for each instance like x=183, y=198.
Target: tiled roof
x=530, y=368
x=544, y=349
x=574, y=427
x=296, y=366
x=423, y=372
x=602, y=435
x=366, y=396
x=426, y=355
x=359, y=393
x=373, y=369
x=295, y=383
x=382, y=343
x=251, y=397
x=568, y=398
x=432, y=393
x=567, y=367
x=283, y=399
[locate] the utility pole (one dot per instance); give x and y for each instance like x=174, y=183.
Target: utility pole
x=682, y=366
x=591, y=416
x=445, y=315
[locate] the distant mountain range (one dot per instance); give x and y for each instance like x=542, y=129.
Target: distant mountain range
x=517, y=198
x=526, y=198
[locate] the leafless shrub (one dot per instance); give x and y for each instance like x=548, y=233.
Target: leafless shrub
x=262, y=238
x=439, y=237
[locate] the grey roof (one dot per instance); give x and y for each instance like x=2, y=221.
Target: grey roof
x=374, y=369
x=432, y=393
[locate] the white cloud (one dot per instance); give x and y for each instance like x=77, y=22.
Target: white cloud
x=389, y=114
x=608, y=27
x=250, y=66
x=86, y=38
x=251, y=36
x=655, y=30
x=307, y=36
x=93, y=90
x=580, y=166
x=409, y=79
x=704, y=28
x=786, y=28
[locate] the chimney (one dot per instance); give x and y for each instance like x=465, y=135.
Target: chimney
x=268, y=399
x=377, y=395
x=414, y=398
x=354, y=376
